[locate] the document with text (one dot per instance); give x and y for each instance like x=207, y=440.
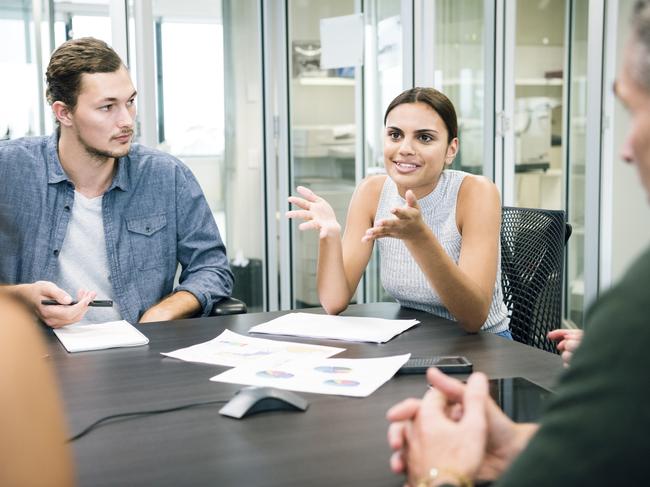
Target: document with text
x=338, y=376
x=350, y=328
x=231, y=349
x=112, y=334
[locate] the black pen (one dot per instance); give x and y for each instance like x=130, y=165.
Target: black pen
x=97, y=303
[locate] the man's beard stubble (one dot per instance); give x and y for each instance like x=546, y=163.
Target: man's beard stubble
x=100, y=155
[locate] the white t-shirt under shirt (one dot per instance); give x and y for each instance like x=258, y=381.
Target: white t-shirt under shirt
x=82, y=260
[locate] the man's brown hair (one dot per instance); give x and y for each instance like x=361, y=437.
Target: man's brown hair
x=73, y=58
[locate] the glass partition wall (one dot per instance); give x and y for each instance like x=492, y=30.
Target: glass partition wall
x=20, y=94
x=207, y=100
x=539, y=109
x=208, y=113
x=385, y=64
x=323, y=132
x=547, y=122
x=459, y=71
x=577, y=159
x=29, y=31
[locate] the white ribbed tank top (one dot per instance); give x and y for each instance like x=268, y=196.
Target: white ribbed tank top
x=400, y=274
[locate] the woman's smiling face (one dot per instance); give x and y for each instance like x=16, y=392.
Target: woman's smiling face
x=416, y=149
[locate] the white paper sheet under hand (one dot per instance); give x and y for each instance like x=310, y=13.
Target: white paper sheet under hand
x=113, y=334
x=350, y=328
x=338, y=376
x=231, y=349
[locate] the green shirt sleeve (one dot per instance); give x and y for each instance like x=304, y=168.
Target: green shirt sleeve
x=596, y=429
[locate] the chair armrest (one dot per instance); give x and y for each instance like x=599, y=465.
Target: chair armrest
x=568, y=230
x=228, y=306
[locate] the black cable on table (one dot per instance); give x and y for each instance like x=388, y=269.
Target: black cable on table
x=92, y=426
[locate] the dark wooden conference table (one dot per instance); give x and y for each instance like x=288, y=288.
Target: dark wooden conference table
x=337, y=441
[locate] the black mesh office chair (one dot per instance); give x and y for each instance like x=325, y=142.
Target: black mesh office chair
x=532, y=263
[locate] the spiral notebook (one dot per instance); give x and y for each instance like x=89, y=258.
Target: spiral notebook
x=100, y=336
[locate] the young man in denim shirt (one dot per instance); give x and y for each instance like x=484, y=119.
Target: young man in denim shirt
x=93, y=214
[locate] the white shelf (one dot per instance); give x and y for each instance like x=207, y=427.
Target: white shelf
x=326, y=81
x=538, y=82
x=553, y=172
x=518, y=82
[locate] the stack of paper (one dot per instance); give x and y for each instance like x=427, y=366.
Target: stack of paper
x=81, y=338
x=338, y=376
x=232, y=350
x=350, y=328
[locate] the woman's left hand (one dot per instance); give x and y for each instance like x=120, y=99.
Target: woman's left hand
x=408, y=224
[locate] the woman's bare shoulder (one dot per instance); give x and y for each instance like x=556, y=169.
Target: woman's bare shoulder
x=477, y=188
x=478, y=199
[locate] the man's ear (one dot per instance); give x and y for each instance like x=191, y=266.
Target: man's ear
x=62, y=113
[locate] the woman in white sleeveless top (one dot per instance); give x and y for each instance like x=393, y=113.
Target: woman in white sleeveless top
x=437, y=229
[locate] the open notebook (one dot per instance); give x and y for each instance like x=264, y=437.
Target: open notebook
x=113, y=334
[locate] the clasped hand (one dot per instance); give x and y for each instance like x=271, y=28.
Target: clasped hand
x=407, y=224
x=455, y=427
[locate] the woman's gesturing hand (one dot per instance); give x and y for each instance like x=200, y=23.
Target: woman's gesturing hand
x=317, y=213
x=407, y=225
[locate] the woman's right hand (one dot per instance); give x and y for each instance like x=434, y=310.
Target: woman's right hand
x=317, y=213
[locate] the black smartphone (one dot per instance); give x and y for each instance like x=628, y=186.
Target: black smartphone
x=454, y=364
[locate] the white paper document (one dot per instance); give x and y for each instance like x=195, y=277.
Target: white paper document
x=113, y=334
x=231, y=349
x=350, y=328
x=338, y=376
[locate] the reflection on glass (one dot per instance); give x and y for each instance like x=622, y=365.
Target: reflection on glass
x=459, y=74
x=576, y=166
x=191, y=118
x=19, y=91
x=539, y=61
x=193, y=42
x=91, y=26
x=83, y=19
x=200, y=76
x=323, y=131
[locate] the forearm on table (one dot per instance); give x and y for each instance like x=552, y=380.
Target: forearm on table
x=463, y=297
x=181, y=304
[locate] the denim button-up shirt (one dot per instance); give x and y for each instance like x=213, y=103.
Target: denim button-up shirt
x=155, y=216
